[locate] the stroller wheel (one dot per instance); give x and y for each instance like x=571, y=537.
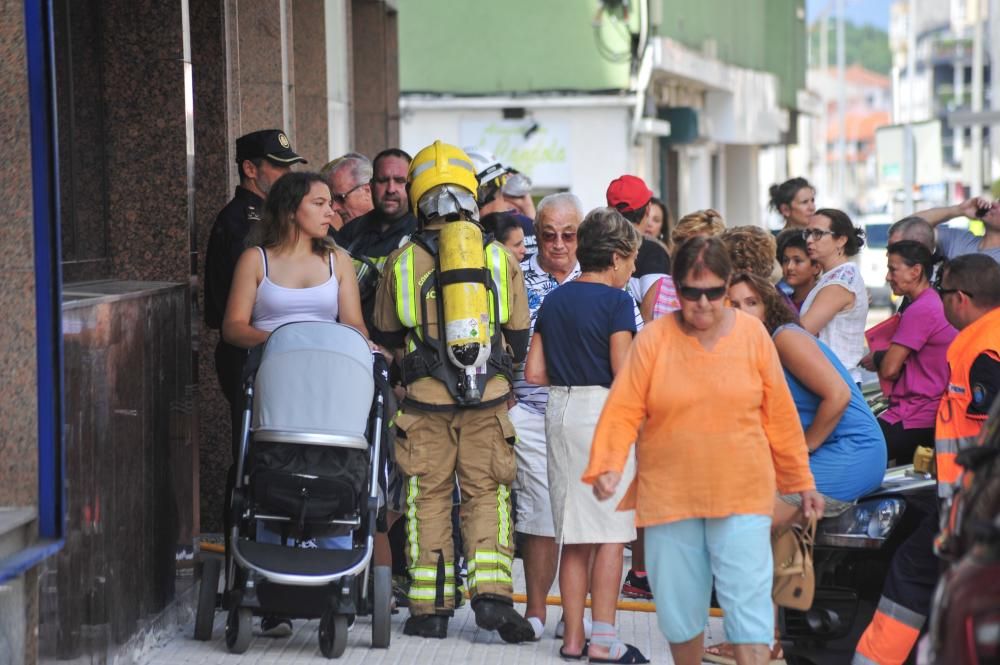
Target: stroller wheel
x=382, y=607
x=333, y=634
x=239, y=629
x=205, y=615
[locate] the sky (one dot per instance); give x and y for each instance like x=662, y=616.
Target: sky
x=873, y=12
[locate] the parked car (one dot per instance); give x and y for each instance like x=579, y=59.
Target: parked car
x=851, y=560
x=873, y=260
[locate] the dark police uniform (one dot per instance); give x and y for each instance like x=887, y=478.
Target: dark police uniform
x=226, y=242
x=375, y=244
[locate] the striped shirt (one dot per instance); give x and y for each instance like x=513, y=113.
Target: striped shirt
x=539, y=284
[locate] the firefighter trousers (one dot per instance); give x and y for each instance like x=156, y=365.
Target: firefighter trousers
x=432, y=448
x=906, y=598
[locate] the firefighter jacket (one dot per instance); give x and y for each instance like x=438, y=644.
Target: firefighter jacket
x=401, y=304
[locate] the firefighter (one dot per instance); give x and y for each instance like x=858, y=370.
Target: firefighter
x=453, y=421
x=970, y=291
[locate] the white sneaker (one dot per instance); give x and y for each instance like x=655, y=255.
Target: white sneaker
x=588, y=627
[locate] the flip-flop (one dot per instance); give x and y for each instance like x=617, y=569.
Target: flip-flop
x=573, y=656
x=631, y=655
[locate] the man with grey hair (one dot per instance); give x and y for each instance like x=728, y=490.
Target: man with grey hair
x=916, y=228
x=349, y=178
x=558, y=217
x=912, y=228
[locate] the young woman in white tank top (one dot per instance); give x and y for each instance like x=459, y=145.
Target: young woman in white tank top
x=837, y=307
x=296, y=273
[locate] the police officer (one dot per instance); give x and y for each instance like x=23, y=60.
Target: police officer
x=263, y=157
x=450, y=423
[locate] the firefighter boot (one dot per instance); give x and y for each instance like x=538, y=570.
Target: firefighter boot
x=498, y=613
x=427, y=625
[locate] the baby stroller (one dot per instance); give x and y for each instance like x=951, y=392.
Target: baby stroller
x=309, y=473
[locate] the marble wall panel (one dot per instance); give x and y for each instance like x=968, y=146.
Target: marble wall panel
x=213, y=172
x=254, y=41
x=375, y=81
x=82, y=168
x=311, y=129
x=18, y=402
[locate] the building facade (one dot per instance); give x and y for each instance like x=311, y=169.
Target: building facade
x=700, y=100
x=119, y=119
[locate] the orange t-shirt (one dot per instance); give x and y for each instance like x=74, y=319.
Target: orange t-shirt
x=719, y=426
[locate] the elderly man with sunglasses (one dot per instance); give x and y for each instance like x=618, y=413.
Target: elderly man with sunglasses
x=555, y=263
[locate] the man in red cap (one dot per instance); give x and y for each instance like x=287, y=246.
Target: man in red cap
x=630, y=196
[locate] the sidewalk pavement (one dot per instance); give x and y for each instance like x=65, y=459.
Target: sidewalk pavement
x=465, y=644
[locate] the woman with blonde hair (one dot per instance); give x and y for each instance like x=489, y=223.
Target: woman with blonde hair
x=661, y=298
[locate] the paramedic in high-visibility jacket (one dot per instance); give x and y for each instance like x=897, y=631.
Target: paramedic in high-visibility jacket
x=970, y=292
x=453, y=422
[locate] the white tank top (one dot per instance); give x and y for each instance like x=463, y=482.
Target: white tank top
x=277, y=305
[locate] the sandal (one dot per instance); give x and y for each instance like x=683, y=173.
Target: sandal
x=725, y=654
x=631, y=655
x=573, y=656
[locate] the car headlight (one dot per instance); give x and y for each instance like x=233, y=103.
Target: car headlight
x=866, y=525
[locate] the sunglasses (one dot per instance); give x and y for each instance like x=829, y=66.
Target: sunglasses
x=816, y=233
x=694, y=294
x=943, y=292
x=341, y=198
x=550, y=236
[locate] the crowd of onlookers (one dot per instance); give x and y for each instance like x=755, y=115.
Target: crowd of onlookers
x=690, y=384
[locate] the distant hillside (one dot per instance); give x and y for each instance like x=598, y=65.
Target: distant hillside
x=865, y=45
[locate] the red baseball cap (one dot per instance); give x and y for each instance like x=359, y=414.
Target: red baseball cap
x=628, y=193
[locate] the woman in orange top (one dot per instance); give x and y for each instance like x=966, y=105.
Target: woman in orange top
x=718, y=430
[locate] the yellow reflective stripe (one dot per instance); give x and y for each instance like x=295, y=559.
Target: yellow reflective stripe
x=497, y=260
x=503, y=515
x=429, y=593
x=429, y=574
x=489, y=576
x=411, y=517
x=491, y=559
x=406, y=296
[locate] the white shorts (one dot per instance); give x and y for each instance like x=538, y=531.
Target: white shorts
x=570, y=420
x=534, y=509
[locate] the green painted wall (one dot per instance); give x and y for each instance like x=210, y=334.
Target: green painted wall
x=766, y=35
x=479, y=47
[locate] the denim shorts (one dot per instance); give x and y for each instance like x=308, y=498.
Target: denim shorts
x=681, y=560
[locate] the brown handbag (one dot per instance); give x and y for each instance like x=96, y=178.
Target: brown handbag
x=794, y=580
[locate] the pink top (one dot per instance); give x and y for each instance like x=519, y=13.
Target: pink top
x=666, y=297
x=277, y=305
x=924, y=330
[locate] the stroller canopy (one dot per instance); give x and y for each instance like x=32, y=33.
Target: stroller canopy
x=314, y=385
